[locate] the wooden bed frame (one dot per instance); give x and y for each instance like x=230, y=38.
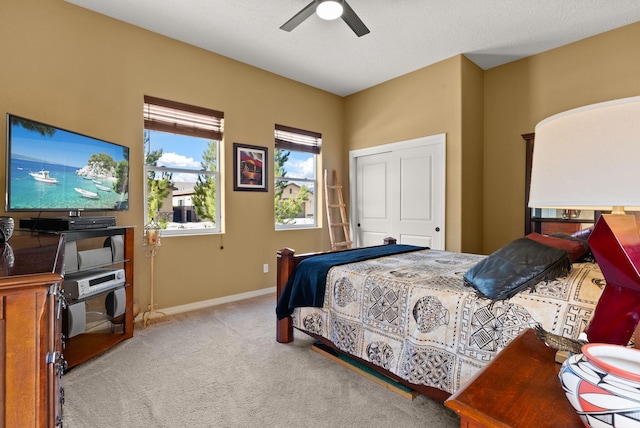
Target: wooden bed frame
x=286, y=263
x=288, y=260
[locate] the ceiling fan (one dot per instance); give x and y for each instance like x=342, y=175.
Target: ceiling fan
x=328, y=9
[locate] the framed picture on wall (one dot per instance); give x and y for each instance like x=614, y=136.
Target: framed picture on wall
x=250, y=168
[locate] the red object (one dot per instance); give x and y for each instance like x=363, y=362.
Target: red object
x=615, y=243
x=250, y=157
x=575, y=248
x=585, y=388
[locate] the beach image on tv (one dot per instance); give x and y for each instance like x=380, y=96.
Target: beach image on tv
x=53, y=169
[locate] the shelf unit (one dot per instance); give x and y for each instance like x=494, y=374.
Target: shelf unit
x=87, y=345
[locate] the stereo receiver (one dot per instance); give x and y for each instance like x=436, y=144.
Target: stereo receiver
x=84, y=284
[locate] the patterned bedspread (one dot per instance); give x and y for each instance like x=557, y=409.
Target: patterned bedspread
x=413, y=315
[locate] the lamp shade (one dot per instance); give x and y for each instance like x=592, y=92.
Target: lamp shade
x=588, y=158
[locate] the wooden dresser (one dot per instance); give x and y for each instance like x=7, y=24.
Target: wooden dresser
x=31, y=268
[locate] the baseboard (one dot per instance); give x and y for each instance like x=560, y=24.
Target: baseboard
x=203, y=304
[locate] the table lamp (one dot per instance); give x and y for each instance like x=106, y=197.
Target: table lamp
x=589, y=158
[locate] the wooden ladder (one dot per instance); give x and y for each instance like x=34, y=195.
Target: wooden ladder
x=335, y=205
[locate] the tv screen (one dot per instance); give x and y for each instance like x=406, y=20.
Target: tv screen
x=51, y=169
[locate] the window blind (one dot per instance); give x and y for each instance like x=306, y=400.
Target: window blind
x=178, y=118
x=288, y=138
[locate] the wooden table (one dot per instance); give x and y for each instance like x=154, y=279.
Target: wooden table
x=519, y=388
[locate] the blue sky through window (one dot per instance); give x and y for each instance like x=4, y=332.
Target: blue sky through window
x=300, y=165
x=181, y=151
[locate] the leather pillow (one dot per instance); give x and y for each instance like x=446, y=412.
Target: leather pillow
x=519, y=265
x=574, y=247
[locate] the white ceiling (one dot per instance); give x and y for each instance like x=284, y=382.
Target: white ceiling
x=406, y=35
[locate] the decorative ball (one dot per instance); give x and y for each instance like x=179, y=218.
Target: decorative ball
x=6, y=228
x=603, y=385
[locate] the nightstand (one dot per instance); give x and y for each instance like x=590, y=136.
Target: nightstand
x=519, y=388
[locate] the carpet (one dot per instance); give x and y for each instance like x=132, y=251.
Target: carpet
x=221, y=367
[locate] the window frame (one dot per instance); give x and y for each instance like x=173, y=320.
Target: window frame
x=190, y=121
x=299, y=140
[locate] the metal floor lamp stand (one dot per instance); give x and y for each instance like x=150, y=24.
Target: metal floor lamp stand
x=152, y=243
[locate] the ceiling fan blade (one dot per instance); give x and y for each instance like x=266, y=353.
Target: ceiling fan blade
x=299, y=17
x=353, y=21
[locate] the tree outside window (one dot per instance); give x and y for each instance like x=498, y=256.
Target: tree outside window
x=181, y=167
x=295, y=165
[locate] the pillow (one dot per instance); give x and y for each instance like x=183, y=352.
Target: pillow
x=519, y=265
x=588, y=255
x=582, y=233
x=574, y=247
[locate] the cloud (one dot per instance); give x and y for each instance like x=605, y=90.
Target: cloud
x=174, y=160
x=298, y=168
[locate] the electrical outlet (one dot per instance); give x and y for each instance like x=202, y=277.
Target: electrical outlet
x=265, y=268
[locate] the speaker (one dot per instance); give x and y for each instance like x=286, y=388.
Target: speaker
x=77, y=319
x=116, y=243
x=70, y=257
x=93, y=258
x=116, y=302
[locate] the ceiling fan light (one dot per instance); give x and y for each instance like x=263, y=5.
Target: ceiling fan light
x=329, y=9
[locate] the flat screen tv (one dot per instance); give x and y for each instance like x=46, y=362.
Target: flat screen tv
x=52, y=169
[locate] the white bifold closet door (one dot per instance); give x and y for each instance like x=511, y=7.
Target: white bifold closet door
x=399, y=191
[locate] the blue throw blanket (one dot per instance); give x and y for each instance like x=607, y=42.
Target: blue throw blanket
x=306, y=287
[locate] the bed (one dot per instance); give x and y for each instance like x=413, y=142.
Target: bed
x=414, y=316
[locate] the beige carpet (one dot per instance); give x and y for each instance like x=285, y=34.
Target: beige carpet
x=221, y=367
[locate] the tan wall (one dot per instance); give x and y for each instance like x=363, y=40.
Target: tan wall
x=472, y=170
x=72, y=68
x=422, y=103
x=520, y=94
x=426, y=102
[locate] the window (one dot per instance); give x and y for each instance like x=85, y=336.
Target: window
x=182, y=147
x=295, y=172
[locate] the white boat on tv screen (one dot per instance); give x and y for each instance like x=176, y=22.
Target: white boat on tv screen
x=43, y=176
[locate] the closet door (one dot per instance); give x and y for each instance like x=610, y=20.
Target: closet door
x=374, y=201
x=399, y=192
x=420, y=197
